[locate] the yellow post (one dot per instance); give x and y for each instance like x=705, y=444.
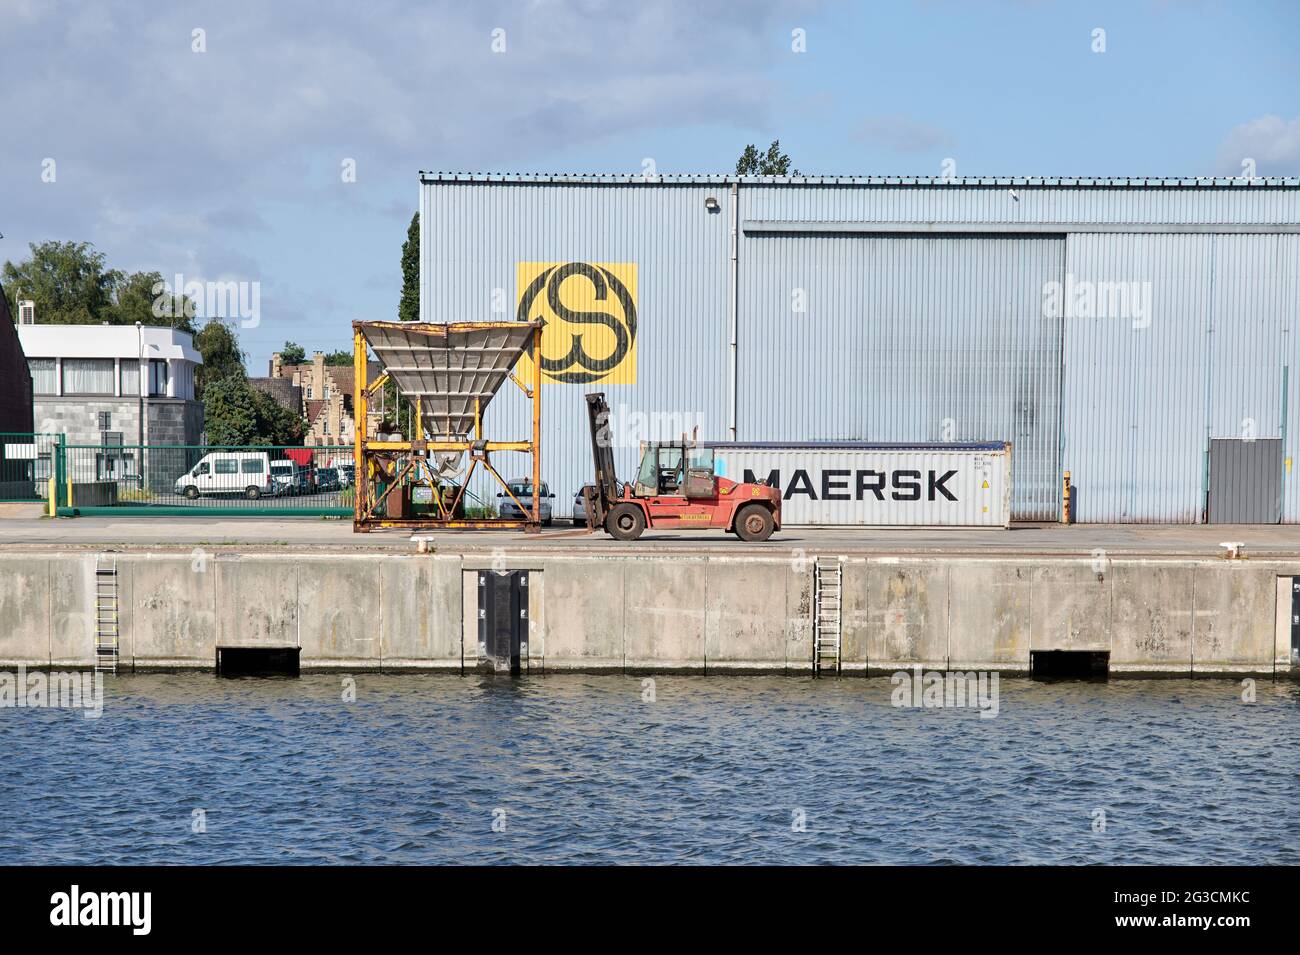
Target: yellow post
x=537, y=425
x=69, y=487
x=1065, y=498
x=53, y=498
x=360, y=482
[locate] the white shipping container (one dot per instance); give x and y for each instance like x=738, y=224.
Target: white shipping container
x=921, y=485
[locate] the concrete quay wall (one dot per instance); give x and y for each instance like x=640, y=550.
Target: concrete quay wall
x=707, y=614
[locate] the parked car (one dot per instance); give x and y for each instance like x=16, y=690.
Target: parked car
x=327, y=479
x=579, y=507
x=579, y=512
x=346, y=469
x=285, y=473
x=230, y=472
x=522, y=490
x=306, y=481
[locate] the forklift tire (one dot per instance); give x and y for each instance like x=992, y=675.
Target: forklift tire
x=754, y=523
x=625, y=522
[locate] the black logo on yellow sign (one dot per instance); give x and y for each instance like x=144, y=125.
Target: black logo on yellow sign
x=588, y=311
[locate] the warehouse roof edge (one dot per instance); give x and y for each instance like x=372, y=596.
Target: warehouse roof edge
x=987, y=182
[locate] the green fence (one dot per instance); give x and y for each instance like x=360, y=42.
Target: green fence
x=168, y=480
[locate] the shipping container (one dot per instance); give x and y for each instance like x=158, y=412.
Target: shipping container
x=883, y=485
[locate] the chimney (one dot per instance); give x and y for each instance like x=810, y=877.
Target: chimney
x=318, y=374
x=275, y=365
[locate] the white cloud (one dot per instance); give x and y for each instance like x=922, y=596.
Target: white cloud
x=1271, y=141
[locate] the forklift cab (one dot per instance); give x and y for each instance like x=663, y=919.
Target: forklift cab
x=676, y=470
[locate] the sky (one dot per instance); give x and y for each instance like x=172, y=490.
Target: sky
x=279, y=144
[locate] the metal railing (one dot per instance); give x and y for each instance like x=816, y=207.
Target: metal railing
x=204, y=479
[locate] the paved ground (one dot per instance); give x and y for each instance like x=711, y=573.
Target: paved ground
x=318, y=534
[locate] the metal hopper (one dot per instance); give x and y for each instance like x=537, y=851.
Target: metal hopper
x=450, y=372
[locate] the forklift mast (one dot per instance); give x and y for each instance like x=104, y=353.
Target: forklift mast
x=602, y=454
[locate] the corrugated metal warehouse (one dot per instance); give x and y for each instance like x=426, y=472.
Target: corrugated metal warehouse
x=1115, y=328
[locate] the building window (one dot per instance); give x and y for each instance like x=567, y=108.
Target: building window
x=106, y=423
x=44, y=376
x=88, y=376
x=157, y=377
x=130, y=376
x=112, y=464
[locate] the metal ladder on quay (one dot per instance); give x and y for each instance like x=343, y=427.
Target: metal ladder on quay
x=828, y=579
x=106, y=614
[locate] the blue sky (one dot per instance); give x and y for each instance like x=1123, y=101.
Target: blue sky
x=225, y=164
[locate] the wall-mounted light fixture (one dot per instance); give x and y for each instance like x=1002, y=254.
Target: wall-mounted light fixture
x=712, y=204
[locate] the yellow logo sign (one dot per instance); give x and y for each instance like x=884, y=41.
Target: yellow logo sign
x=588, y=311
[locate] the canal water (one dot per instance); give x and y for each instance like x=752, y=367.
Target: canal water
x=610, y=769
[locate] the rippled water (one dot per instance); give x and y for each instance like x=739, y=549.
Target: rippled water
x=712, y=771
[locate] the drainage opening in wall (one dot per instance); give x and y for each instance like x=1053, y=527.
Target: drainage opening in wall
x=257, y=661
x=1069, y=664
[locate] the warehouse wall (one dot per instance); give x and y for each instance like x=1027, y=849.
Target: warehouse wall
x=904, y=334
x=1144, y=395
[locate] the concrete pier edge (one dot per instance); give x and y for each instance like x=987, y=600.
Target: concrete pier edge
x=647, y=613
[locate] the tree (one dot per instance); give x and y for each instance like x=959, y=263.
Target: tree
x=237, y=414
x=292, y=354
x=408, y=307
x=338, y=358
x=222, y=358
x=66, y=280
x=70, y=286
x=772, y=163
x=229, y=412
x=143, y=297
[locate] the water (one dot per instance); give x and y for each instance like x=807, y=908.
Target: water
x=711, y=772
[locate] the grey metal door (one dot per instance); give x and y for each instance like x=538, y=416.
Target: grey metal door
x=1245, y=481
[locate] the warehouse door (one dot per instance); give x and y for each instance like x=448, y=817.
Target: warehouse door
x=907, y=338
x=1245, y=481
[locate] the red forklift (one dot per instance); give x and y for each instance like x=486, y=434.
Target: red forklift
x=675, y=488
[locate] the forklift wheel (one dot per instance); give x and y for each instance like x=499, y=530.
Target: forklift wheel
x=625, y=522
x=754, y=523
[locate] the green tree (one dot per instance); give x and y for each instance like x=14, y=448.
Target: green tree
x=408, y=308
x=338, y=358
x=222, y=358
x=66, y=280
x=772, y=163
x=229, y=412
x=276, y=424
x=143, y=297
x=70, y=286
x=292, y=354
x=235, y=413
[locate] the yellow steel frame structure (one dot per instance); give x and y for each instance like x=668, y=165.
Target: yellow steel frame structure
x=366, y=466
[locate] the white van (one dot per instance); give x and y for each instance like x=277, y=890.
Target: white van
x=230, y=472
